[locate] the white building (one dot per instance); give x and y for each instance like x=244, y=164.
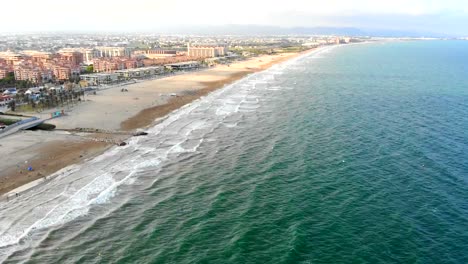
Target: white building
x=108, y=52
x=100, y=78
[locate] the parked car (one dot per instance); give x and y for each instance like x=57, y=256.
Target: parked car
x=10, y=91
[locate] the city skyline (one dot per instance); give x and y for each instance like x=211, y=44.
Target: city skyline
x=443, y=17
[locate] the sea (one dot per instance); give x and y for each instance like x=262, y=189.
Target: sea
x=346, y=154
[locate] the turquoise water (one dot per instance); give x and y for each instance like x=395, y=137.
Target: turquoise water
x=355, y=154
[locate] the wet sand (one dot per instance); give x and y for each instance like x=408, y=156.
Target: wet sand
x=148, y=116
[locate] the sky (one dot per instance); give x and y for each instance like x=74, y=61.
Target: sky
x=437, y=16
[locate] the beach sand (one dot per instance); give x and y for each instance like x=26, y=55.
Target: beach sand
x=45, y=152
x=112, y=110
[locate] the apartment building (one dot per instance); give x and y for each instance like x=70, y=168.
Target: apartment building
x=11, y=58
x=108, y=52
x=113, y=64
x=206, y=51
x=62, y=73
x=29, y=73
x=74, y=58
x=3, y=73
x=87, y=54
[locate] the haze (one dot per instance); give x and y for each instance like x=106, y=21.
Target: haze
x=447, y=17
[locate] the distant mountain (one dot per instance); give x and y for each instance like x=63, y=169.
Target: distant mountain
x=275, y=30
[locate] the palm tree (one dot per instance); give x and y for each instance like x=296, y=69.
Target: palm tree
x=26, y=99
x=61, y=98
x=19, y=97
x=12, y=105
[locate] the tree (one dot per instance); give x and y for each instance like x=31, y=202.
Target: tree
x=42, y=102
x=26, y=99
x=89, y=69
x=12, y=105
x=61, y=98
x=8, y=81
x=19, y=97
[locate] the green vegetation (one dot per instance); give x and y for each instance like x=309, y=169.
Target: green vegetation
x=12, y=105
x=253, y=51
x=25, y=108
x=89, y=69
x=8, y=122
x=46, y=99
x=291, y=49
x=268, y=50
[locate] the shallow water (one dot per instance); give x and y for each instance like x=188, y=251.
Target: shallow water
x=348, y=154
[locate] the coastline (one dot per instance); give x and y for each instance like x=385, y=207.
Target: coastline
x=56, y=150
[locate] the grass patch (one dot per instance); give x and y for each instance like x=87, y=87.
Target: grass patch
x=8, y=122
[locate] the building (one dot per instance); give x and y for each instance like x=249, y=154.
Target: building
x=11, y=58
x=86, y=53
x=183, y=65
x=140, y=72
x=29, y=73
x=88, y=56
x=109, y=52
x=100, y=78
x=114, y=64
x=3, y=73
x=206, y=51
x=38, y=66
x=74, y=58
x=37, y=56
x=4, y=102
x=62, y=73
x=105, y=65
x=155, y=53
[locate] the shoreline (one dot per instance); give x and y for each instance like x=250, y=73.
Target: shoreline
x=75, y=148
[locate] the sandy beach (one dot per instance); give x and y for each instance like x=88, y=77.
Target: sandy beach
x=45, y=152
x=112, y=110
